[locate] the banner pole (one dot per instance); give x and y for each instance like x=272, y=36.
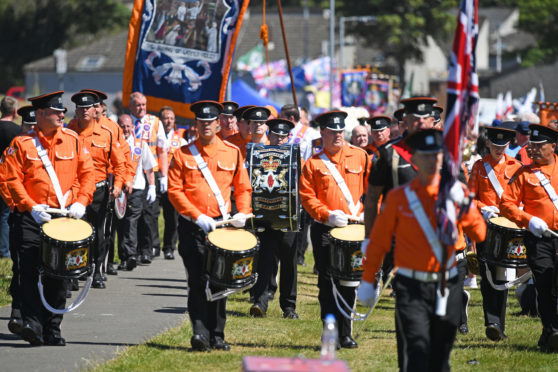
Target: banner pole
x=287, y=52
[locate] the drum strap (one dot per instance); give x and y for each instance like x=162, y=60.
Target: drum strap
x=493, y=179
x=547, y=187
x=43, y=154
x=341, y=183
x=424, y=223
x=202, y=166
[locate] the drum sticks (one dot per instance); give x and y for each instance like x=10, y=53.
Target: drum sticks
x=52, y=210
x=224, y=222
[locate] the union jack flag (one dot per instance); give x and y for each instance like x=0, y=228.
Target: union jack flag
x=462, y=105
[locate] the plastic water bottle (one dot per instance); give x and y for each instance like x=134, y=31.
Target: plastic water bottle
x=329, y=339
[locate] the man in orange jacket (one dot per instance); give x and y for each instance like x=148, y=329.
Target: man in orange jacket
x=33, y=189
x=426, y=327
x=331, y=204
x=244, y=136
x=535, y=187
x=200, y=207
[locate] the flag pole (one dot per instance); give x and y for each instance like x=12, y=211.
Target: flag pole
x=287, y=51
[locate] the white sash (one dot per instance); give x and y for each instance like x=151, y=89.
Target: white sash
x=493, y=179
x=424, y=223
x=43, y=154
x=547, y=187
x=342, y=184
x=202, y=166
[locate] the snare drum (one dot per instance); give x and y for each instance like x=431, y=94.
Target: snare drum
x=231, y=257
x=66, y=247
x=504, y=244
x=345, y=254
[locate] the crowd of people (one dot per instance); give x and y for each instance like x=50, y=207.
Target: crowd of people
x=387, y=178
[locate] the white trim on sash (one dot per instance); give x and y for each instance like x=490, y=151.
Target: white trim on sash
x=493, y=179
x=43, y=154
x=354, y=208
x=547, y=187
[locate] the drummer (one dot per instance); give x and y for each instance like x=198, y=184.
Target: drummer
x=243, y=137
x=489, y=178
x=193, y=194
x=419, y=268
x=331, y=204
x=535, y=187
x=33, y=189
x=275, y=243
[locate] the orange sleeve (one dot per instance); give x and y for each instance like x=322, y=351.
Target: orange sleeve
x=309, y=196
x=85, y=177
x=474, y=183
x=4, y=192
x=118, y=162
x=473, y=224
x=13, y=165
x=511, y=199
x=242, y=186
x=176, y=180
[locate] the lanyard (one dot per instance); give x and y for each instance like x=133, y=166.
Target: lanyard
x=43, y=154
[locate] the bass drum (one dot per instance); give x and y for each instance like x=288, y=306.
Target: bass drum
x=345, y=254
x=66, y=245
x=504, y=244
x=273, y=172
x=232, y=258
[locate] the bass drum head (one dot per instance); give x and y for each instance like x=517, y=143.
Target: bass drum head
x=65, y=247
x=120, y=206
x=232, y=239
x=353, y=233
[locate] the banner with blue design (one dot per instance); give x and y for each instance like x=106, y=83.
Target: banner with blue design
x=180, y=51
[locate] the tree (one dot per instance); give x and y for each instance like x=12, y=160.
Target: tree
x=540, y=18
x=31, y=29
x=402, y=26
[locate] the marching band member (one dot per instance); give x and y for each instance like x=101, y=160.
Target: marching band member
x=201, y=177
x=276, y=243
x=97, y=139
x=379, y=127
x=47, y=167
x=227, y=120
x=302, y=133
x=243, y=137
x=535, y=187
x=489, y=178
x=256, y=117
x=331, y=187
x=426, y=327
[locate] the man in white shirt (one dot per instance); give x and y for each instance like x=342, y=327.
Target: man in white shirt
x=302, y=133
x=138, y=197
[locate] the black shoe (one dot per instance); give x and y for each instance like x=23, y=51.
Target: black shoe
x=552, y=342
x=111, y=270
x=104, y=277
x=463, y=329
x=347, y=342
x=98, y=282
x=300, y=261
x=169, y=255
x=290, y=314
x=15, y=325
x=270, y=295
x=145, y=259
x=219, y=344
x=74, y=284
x=494, y=332
x=199, y=343
x=31, y=335
x=68, y=292
x=257, y=311
x=52, y=340
x=156, y=252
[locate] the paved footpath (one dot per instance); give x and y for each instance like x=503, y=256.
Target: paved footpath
x=135, y=306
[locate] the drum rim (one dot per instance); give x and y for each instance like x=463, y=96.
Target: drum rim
x=50, y=238
x=518, y=229
x=342, y=227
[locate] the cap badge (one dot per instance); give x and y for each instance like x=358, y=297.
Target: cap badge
x=429, y=140
x=84, y=99
x=258, y=114
x=205, y=110
x=499, y=136
x=421, y=107
x=535, y=132
x=336, y=121
x=32, y=114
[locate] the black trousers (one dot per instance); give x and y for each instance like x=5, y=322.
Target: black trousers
x=541, y=256
x=26, y=237
x=462, y=270
x=127, y=227
x=426, y=339
x=14, y=289
x=170, y=236
x=302, y=235
x=320, y=246
x=277, y=245
x=150, y=220
x=494, y=302
x=95, y=214
x=207, y=318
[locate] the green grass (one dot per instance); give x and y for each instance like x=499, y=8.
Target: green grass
x=5, y=279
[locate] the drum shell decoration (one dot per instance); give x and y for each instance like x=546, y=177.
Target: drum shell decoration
x=504, y=246
x=231, y=269
x=274, y=173
x=66, y=259
x=345, y=259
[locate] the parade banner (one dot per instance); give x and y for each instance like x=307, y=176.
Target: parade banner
x=180, y=51
x=377, y=96
x=353, y=86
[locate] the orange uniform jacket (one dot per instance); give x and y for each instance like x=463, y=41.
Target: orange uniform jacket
x=188, y=190
x=238, y=141
x=318, y=190
x=524, y=156
x=4, y=192
x=104, y=151
x=220, y=134
x=480, y=184
x=525, y=188
x=28, y=181
x=122, y=147
x=412, y=249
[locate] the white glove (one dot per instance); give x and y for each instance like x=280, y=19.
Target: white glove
x=39, y=215
x=163, y=181
x=538, y=227
x=151, y=194
x=489, y=212
x=364, y=245
x=337, y=218
x=206, y=223
x=360, y=218
x=239, y=220
x=77, y=210
x=456, y=193
x=366, y=293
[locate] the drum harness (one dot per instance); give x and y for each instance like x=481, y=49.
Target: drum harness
x=43, y=154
